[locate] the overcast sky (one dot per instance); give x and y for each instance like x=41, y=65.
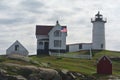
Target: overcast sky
x=18, y=19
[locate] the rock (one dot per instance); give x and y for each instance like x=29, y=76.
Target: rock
x=72, y=75
x=45, y=65
x=3, y=72
x=64, y=71
x=49, y=74
x=5, y=76
x=18, y=77
x=27, y=72
x=22, y=72
x=66, y=75
x=34, y=77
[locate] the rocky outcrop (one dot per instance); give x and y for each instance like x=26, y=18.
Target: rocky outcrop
x=5, y=76
x=49, y=74
x=12, y=71
x=28, y=73
x=71, y=75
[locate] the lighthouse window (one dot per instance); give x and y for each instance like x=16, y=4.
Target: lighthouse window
x=41, y=46
x=96, y=16
x=100, y=16
x=40, y=43
x=101, y=45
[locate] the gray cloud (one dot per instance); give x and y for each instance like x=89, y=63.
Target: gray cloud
x=3, y=6
x=17, y=20
x=33, y=6
x=19, y=17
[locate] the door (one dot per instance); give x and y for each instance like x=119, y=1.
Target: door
x=46, y=47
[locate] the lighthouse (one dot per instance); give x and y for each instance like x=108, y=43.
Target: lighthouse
x=98, y=32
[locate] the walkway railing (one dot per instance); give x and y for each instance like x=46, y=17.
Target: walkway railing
x=71, y=55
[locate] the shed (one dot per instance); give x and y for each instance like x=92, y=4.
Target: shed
x=18, y=49
x=104, y=65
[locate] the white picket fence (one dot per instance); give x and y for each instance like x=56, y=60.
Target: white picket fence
x=71, y=55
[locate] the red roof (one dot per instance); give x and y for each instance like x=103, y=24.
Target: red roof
x=104, y=58
x=43, y=29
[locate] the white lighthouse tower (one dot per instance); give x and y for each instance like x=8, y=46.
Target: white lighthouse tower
x=98, y=33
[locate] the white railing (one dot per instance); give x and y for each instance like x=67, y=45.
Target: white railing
x=71, y=55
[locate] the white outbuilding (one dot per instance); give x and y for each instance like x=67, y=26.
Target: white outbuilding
x=18, y=49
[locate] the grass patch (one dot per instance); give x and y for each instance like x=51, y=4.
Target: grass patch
x=83, y=66
x=80, y=65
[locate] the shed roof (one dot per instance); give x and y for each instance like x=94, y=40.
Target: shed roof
x=105, y=58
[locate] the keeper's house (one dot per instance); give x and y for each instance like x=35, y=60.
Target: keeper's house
x=51, y=38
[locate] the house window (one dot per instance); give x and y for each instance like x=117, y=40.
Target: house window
x=41, y=45
x=80, y=46
x=57, y=43
x=16, y=47
x=57, y=33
